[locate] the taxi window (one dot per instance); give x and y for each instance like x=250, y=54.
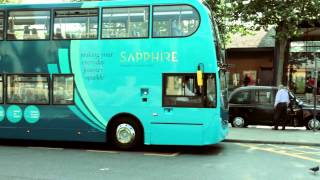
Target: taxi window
x=241, y=97
x=263, y=97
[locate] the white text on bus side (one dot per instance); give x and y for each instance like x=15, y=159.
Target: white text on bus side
x=141, y=57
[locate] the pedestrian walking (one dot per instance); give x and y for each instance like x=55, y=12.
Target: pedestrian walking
x=246, y=80
x=281, y=103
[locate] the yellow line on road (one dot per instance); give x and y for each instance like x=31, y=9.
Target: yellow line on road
x=297, y=150
x=308, y=147
x=280, y=152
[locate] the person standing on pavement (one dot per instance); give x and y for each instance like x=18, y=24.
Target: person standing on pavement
x=281, y=103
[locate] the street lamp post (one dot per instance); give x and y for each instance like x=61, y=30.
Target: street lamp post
x=315, y=124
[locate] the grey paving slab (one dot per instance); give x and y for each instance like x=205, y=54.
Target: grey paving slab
x=256, y=134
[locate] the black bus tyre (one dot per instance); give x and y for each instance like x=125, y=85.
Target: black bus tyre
x=238, y=122
x=126, y=133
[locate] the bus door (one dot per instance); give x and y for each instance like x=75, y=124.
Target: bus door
x=183, y=109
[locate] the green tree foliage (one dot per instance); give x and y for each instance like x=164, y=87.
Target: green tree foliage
x=284, y=15
x=9, y=1
x=223, y=13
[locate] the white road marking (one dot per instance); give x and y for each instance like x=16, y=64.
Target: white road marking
x=50, y=148
x=104, y=169
x=162, y=154
x=101, y=151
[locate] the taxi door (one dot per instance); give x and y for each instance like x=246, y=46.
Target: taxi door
x=263, y=109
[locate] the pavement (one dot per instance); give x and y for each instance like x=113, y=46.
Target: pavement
x=265, y=135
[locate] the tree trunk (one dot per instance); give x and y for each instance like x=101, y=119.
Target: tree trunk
x=281, y=47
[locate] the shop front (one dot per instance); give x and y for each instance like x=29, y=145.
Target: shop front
x=303, y=69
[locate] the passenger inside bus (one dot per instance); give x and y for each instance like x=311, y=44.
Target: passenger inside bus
x=34, y=34
x=26, y=33
x=58, y=34
x=175, y=28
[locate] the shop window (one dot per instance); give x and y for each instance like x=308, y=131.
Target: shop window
x=75, y=24
x=131, y=22
x=63, y=89
x=27, y=89
x=28, y=25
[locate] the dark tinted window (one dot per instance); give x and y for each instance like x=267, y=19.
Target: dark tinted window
x=263, y=96
x=241, y=97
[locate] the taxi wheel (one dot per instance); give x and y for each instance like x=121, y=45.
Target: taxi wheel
x=312, y=124
x=238, y=122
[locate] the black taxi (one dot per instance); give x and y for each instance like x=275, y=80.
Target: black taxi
x=254, y=105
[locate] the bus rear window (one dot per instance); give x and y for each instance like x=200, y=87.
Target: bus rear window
x=1, y=25
x=27, y=89
x=132, y=22
x=174, y=21
x=28, y=25
x=76, y=24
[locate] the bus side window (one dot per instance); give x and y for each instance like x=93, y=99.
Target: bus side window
x=28, y=25
x=181, y=90
x=27, y=89
x=75, y=24
x=131, y=22
x=174, y=21
x=63, y=89
x=1, y=89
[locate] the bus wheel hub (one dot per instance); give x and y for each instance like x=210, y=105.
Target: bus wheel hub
x=125, y=133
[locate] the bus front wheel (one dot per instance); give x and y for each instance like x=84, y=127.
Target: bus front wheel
x=126, y=133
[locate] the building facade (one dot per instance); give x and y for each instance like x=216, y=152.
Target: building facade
x=251, y=59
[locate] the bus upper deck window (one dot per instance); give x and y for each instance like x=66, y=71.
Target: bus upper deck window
x=174, y=21
x=28, y=25
x=131, y=22
x=75, y=24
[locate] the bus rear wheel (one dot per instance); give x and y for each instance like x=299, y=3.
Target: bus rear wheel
x=126, y=133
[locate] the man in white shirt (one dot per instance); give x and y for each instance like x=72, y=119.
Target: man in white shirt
x=281, y=103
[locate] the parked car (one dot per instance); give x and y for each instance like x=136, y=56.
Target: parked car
x=254, y=105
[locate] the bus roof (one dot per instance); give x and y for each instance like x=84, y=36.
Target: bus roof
x=92, y=4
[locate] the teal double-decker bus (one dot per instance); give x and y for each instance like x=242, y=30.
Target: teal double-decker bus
x=126, y=72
